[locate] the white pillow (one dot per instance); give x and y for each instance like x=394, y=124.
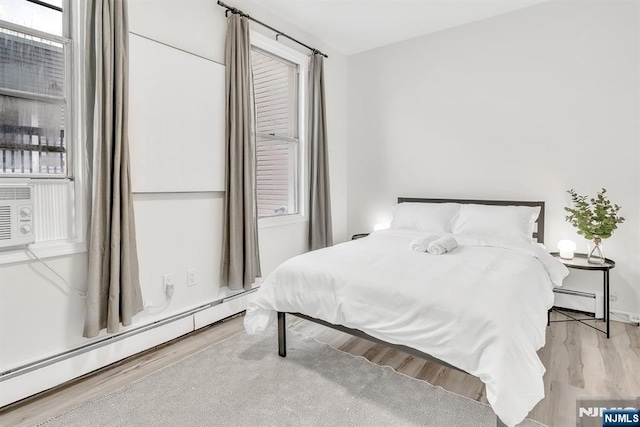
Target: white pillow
x=428, y=217
x=496, y=224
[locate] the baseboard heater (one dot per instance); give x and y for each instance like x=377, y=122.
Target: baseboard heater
x=21, y=370
x=585, y=302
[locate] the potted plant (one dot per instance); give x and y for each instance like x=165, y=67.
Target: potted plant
x=595, y=219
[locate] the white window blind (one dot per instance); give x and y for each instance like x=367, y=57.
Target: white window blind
x=277, y=144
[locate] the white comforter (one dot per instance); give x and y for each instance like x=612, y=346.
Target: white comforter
x=480, y=308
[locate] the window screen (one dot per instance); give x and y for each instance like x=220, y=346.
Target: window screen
x=32, y=92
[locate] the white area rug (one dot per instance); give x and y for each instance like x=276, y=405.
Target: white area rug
x=243, y=382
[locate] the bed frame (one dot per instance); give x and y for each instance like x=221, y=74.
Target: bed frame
x=538, y=234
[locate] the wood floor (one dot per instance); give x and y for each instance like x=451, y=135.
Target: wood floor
x=580, y=363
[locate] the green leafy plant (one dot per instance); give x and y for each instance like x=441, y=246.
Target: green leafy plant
x=595, y=218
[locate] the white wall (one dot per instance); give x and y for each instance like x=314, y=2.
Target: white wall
x=176, y=231
x=524, y=105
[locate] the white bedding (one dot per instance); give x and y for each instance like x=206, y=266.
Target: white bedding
x=480, y=308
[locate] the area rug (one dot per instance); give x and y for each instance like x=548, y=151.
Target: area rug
x=243, y=382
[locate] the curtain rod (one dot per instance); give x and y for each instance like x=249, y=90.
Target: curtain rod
x=278, y=33
x=45, y=4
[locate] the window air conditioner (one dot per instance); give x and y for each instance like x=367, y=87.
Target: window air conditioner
x=16, y=215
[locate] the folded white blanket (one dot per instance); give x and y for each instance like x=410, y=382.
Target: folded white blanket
x=422, y=243
x=442, y=245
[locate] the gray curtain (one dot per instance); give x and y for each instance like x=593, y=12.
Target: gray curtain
x=113, y=290
x=240, y=257
x=320, y=233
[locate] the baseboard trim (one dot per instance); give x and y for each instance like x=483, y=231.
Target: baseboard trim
x=625, y=317
x=43, y=375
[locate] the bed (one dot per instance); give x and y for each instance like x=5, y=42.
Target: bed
x=481, y=309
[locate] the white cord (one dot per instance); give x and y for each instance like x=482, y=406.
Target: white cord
x=77, y=291
x=163, y=306
x=168, y=294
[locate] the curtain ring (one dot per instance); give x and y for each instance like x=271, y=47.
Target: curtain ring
x=278, y=35
x=226, y=13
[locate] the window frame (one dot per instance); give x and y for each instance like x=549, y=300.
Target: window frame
x=276, y=48
x=67, y=97
x=75, y=176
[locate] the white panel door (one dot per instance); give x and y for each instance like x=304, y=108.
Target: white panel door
x=176, y=119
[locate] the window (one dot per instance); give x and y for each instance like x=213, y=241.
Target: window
x=36, y=143
x=34, y=62
x=41, y=15
x=278, y=78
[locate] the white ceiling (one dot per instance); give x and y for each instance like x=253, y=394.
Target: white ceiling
x=353, y=26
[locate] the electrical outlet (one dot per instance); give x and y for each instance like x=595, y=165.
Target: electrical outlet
x=148, y=304
x=168, y=280
x=191, y=277
x=613, y=298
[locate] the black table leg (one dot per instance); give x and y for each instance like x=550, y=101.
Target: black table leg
x=606, y=298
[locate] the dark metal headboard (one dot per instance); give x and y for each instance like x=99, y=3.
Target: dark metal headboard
x=538, y=235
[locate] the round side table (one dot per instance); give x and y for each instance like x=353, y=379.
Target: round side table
x=579, y=262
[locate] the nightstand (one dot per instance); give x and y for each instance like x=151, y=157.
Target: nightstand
x=359, y=236
x=579, y=262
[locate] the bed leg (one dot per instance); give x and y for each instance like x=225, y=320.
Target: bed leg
x=282, y=335
x=549, y=317
x=499, y=422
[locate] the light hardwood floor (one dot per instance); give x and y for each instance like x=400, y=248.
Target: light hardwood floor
x=580, y=363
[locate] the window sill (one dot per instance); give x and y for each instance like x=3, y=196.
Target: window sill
x=277, y=221
x=43, y=250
